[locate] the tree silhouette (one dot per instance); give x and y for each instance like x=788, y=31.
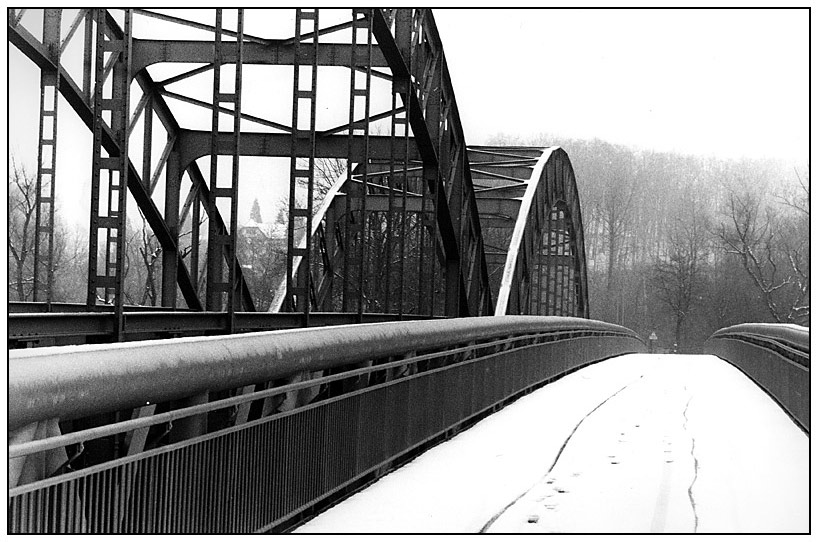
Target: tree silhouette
x=255, y=212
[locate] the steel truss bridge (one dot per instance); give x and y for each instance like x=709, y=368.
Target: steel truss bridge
x=466, y=264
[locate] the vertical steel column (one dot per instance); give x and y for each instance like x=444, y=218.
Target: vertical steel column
x=403, y=39
x=567, y=252
x=47, y=161
x=88, y=46
x=147, y=140
x=548, y=261
x=557, y=263
x=455, y=197
x=564, y=267
x=233, y=296
x=429, y=174
x=571, y=278
x=356, y=195
x=299, y=268
x=539, y=265
x=170, y=258
x=560, y=265
x=580, y=309
x=450, y=274
x=531, y=269
x=364, y=23
x=195, y=223
x=533, y=303
x=222, y=247
x=110, y=173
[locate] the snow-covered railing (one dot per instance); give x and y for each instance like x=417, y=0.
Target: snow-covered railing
x=776, y=357
x=250, y=432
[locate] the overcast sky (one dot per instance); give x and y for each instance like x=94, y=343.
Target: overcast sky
x=725, y=82
x=729, y=83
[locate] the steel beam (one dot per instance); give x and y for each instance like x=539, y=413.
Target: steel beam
x=78, y=101
x=110, y=173
x=275, y=53
x=194, y=144
x=47, y=162
x=302, y=149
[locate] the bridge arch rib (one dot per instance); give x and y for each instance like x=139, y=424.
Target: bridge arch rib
x=528, y=206
x=531, y=219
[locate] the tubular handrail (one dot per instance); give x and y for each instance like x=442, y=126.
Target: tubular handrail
x=49, y=443
x=790, y=335
x=75, y=381
x=776, y=357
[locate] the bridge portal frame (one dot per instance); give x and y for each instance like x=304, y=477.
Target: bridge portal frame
x=411, y=184
x=425, y=127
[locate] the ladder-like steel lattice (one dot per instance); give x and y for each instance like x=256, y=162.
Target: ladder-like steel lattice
x=400, y=231
x=47, y=162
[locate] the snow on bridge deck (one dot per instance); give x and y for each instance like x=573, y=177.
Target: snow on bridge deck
x=639, y=443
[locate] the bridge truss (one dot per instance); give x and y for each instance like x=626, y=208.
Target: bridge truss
x=179, y=105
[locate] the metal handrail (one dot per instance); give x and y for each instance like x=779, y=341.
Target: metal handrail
x=49, y=443
x=251, y=462
x=76, y=381
x=776, y=357
x=791, y=336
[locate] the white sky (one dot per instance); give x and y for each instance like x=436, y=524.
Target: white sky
x=725, y=82
x=728, y=83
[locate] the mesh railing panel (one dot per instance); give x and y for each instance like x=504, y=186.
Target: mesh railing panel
x=258, y=475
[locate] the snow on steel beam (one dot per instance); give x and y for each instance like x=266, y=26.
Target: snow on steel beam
x=276, y=53
x=194, y=144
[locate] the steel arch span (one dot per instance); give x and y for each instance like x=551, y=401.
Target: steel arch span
x=181, y=107
x=529, y=208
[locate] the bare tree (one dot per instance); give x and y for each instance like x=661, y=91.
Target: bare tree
x=22, y=205
x=679, y=276
x=797, y=198
x=327, y=171
x=263, y=256
x=150, y=253
x=68, y=252
x=773, y=251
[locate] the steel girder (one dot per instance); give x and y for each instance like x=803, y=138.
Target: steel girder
x=403, y=232
x=424, y=121
x=80, y=101
x=410, y=207
x=47, y=162
x=532, y=221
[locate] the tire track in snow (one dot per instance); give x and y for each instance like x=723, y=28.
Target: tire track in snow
x=557, y=458
x=695, y=469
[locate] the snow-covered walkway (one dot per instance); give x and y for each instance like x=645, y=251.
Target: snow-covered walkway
x=640, y=443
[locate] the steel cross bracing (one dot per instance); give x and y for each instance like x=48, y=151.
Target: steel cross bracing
x=403, y=230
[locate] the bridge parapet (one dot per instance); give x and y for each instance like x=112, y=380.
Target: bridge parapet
x=774, y=356
x=258, y=429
